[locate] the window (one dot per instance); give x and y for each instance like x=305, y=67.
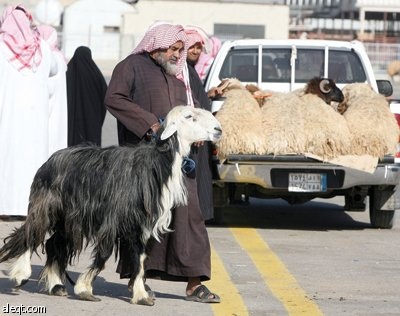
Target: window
x=111, y=29
x=345, y=67
x=242, y=63
x=238, y=31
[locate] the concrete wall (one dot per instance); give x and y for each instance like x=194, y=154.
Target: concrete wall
x=95, y=24
x=275, y=18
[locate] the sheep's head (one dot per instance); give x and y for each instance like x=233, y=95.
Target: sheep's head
x=257, y=93
x=224, y=86
x=326, y=89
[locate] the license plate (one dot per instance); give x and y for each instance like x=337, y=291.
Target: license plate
x=307, y=182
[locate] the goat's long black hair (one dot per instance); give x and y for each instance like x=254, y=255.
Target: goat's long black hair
x=97, y=194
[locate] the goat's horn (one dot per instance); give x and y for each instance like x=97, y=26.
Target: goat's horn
x=324, y=86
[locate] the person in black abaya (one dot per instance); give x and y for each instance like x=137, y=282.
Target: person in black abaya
x=86, y=88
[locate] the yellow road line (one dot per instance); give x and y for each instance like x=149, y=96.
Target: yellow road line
x=220, y=283
x=277, y=277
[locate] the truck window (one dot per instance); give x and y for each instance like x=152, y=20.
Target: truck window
x=344, y=66
x=276, y=65
x=309, y=64
x=241, y=64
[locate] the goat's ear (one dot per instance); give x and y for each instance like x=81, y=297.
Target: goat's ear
x=169, y=130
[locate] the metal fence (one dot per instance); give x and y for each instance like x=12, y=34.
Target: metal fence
x=381, y=54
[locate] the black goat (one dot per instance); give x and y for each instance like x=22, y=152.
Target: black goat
x=92, y=195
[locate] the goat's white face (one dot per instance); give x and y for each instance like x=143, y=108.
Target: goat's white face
x=192, y=125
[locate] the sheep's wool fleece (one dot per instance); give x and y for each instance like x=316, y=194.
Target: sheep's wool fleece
x=373, y=127
x=283, y=133
x=303, y=123
x=240, y=118
x=326, y=131
x=298, y=123
x=393, y=68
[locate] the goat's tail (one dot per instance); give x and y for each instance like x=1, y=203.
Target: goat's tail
x=15, y=245
x=17, y=253
x=23, y=241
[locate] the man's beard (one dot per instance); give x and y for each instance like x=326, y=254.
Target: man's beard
x=170, y=68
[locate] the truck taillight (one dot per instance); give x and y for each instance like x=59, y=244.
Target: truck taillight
x=214, y=150
x=397, y=155
x=397, y=116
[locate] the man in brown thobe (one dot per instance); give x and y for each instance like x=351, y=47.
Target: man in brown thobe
x=143, y=88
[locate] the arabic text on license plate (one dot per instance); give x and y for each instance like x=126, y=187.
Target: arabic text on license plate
x=307, y=182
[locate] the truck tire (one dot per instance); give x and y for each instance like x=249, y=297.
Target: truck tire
x=381, y=210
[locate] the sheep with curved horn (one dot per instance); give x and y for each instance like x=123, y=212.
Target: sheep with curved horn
x=301, y=121
x=325, y=130
x=90, y=195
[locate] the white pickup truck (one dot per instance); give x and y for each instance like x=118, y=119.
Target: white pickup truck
x=286, y=65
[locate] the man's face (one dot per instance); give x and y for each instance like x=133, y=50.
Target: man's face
x=168, y=58
x=194, y=52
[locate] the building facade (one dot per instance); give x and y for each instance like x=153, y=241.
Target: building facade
x=366, y=20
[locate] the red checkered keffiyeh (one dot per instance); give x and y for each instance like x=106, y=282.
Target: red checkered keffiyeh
x=162, y=36
x=49, y=34
x=195, y=35
x=21, y=41
x=206, y=59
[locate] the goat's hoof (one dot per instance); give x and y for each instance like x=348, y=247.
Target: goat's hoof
x=59, y=290
x=148, y=301
x=22, y=283
x=149, y=291
x=86, y=296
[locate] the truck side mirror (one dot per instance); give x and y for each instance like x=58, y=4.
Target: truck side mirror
x=385, y=87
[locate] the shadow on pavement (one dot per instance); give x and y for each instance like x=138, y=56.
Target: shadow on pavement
x=278, y=214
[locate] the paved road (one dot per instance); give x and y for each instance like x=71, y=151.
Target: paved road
x=321, y=260
x=268, y=259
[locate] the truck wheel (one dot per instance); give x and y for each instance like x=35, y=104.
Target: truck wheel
x=381, y=213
